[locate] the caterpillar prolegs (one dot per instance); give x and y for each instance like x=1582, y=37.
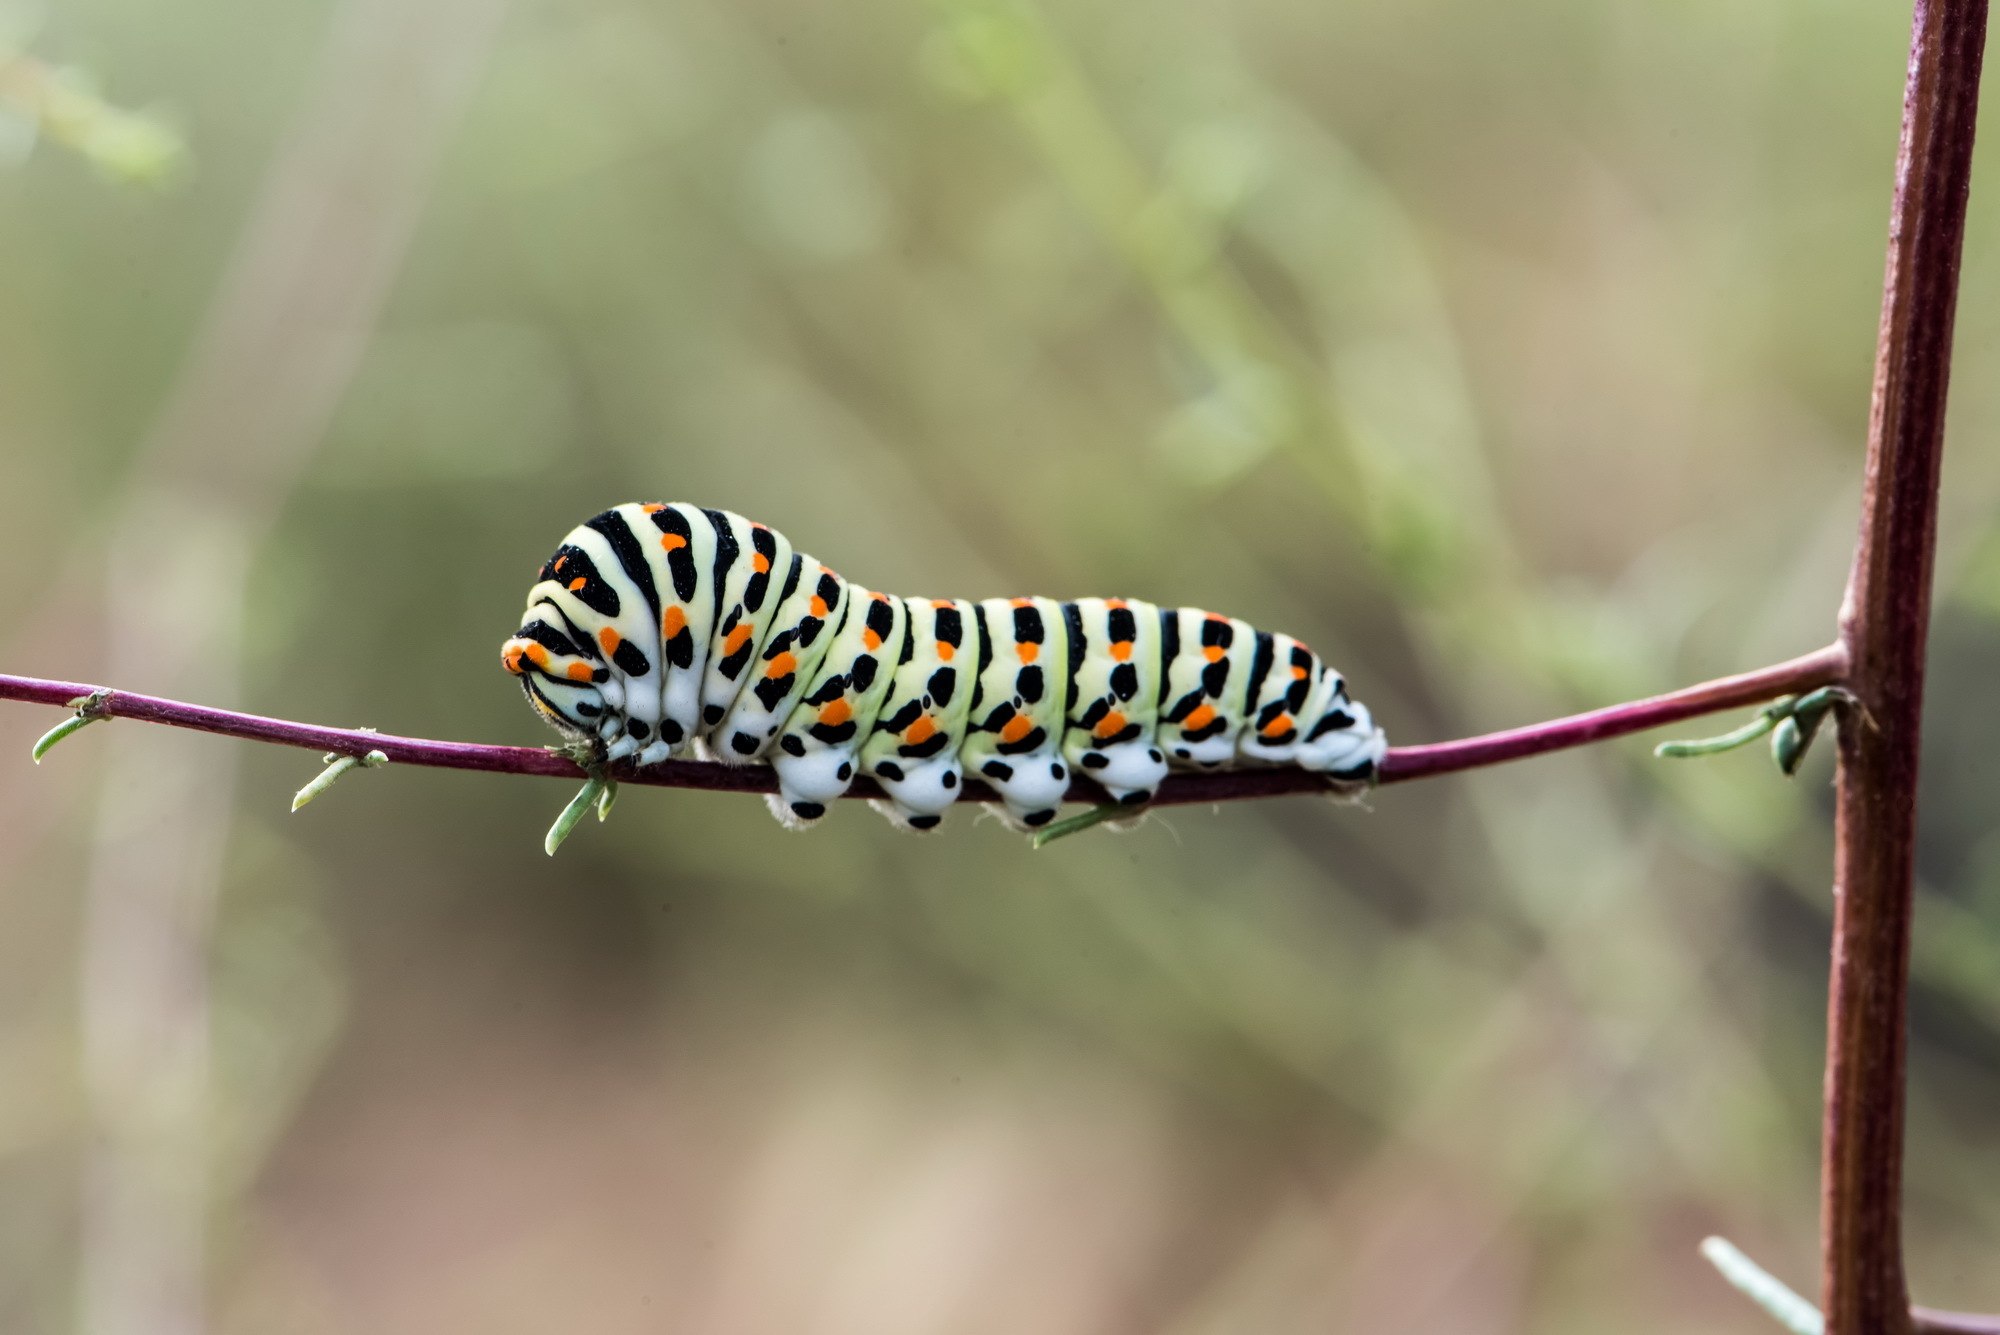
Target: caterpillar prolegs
x=660, y=629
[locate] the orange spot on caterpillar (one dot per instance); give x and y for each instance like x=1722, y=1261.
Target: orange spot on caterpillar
x=1020, y=602
x=1298, y=674
x=1016, y=728
x=818, y=607
x=1109, y=726
x=561, y=561
x=940, y=603
x=673, y=542
x=1116, y=602
x=736, y=639
x=538, y=655
x=672, y=622
x=576, y=585
x=945, y=651
x=920, y=731
x=609, y=639
x=1122, y=650
x=578, y=672
x=510, y=658
x=760, y=563
x=1028, y=651
x=835, y=714
x=871, y=640
x=652, y=507
x=1200, y=718
x=782, y=666
x=1213, y=652
x=1278, y=726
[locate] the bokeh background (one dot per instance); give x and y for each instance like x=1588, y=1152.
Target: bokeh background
x=1515, y=356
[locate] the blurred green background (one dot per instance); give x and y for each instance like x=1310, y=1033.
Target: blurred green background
x=1516, y=357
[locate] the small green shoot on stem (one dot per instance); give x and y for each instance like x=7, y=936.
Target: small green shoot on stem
x=89, y=709
x=1792, y=721
x=1767, y=718
x=592, y=791
x=1095, y=816
x=336, y=765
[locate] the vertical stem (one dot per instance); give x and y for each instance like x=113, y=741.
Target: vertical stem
x=1884, y=622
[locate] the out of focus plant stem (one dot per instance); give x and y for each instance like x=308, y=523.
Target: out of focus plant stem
x=128, y=145
x=1884, y=624
x=1273, y=387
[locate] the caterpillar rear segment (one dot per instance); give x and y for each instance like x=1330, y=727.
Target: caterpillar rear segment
x=661, y=630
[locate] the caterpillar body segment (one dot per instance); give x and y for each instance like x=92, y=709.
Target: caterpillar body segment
x=1204, y=684
x=1113, y=699
x=1337, y=743
x=581, y=587
x=1014, y=732
x=683, y=547
x=812, y=602
x=1283, y=675
x=660, y=630
x=913, y=750
x=625, y=597
x=821, y=741
x=751, y=563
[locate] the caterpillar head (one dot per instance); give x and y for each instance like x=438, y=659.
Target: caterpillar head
x=563, y=684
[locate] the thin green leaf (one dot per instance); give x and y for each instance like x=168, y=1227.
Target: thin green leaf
x=592, y=789
x=86, y=713
x=1767, y=719
x=337, y=765
x=1095, y=816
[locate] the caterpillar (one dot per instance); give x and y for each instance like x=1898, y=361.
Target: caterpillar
x=656, y=630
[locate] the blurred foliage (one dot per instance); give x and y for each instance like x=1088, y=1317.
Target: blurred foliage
x=1516, y=357
x=36, y=99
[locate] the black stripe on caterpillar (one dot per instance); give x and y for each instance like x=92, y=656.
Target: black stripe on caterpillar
x=657, y=630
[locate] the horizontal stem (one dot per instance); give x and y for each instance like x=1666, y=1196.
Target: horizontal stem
x=1822, y=667
x=1402, y=763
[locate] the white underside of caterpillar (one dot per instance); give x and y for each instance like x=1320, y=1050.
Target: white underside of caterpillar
x=666, y=630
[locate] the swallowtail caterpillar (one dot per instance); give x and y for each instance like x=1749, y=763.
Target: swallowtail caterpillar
x=663, y=630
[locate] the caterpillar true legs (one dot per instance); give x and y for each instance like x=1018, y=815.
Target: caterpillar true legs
x=661, y=630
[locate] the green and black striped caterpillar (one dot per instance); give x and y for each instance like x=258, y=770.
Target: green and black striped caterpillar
x=662, y=629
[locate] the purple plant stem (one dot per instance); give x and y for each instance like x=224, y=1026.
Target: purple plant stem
x=1403, y=763
x=1884, y=623
x=1822, y=667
